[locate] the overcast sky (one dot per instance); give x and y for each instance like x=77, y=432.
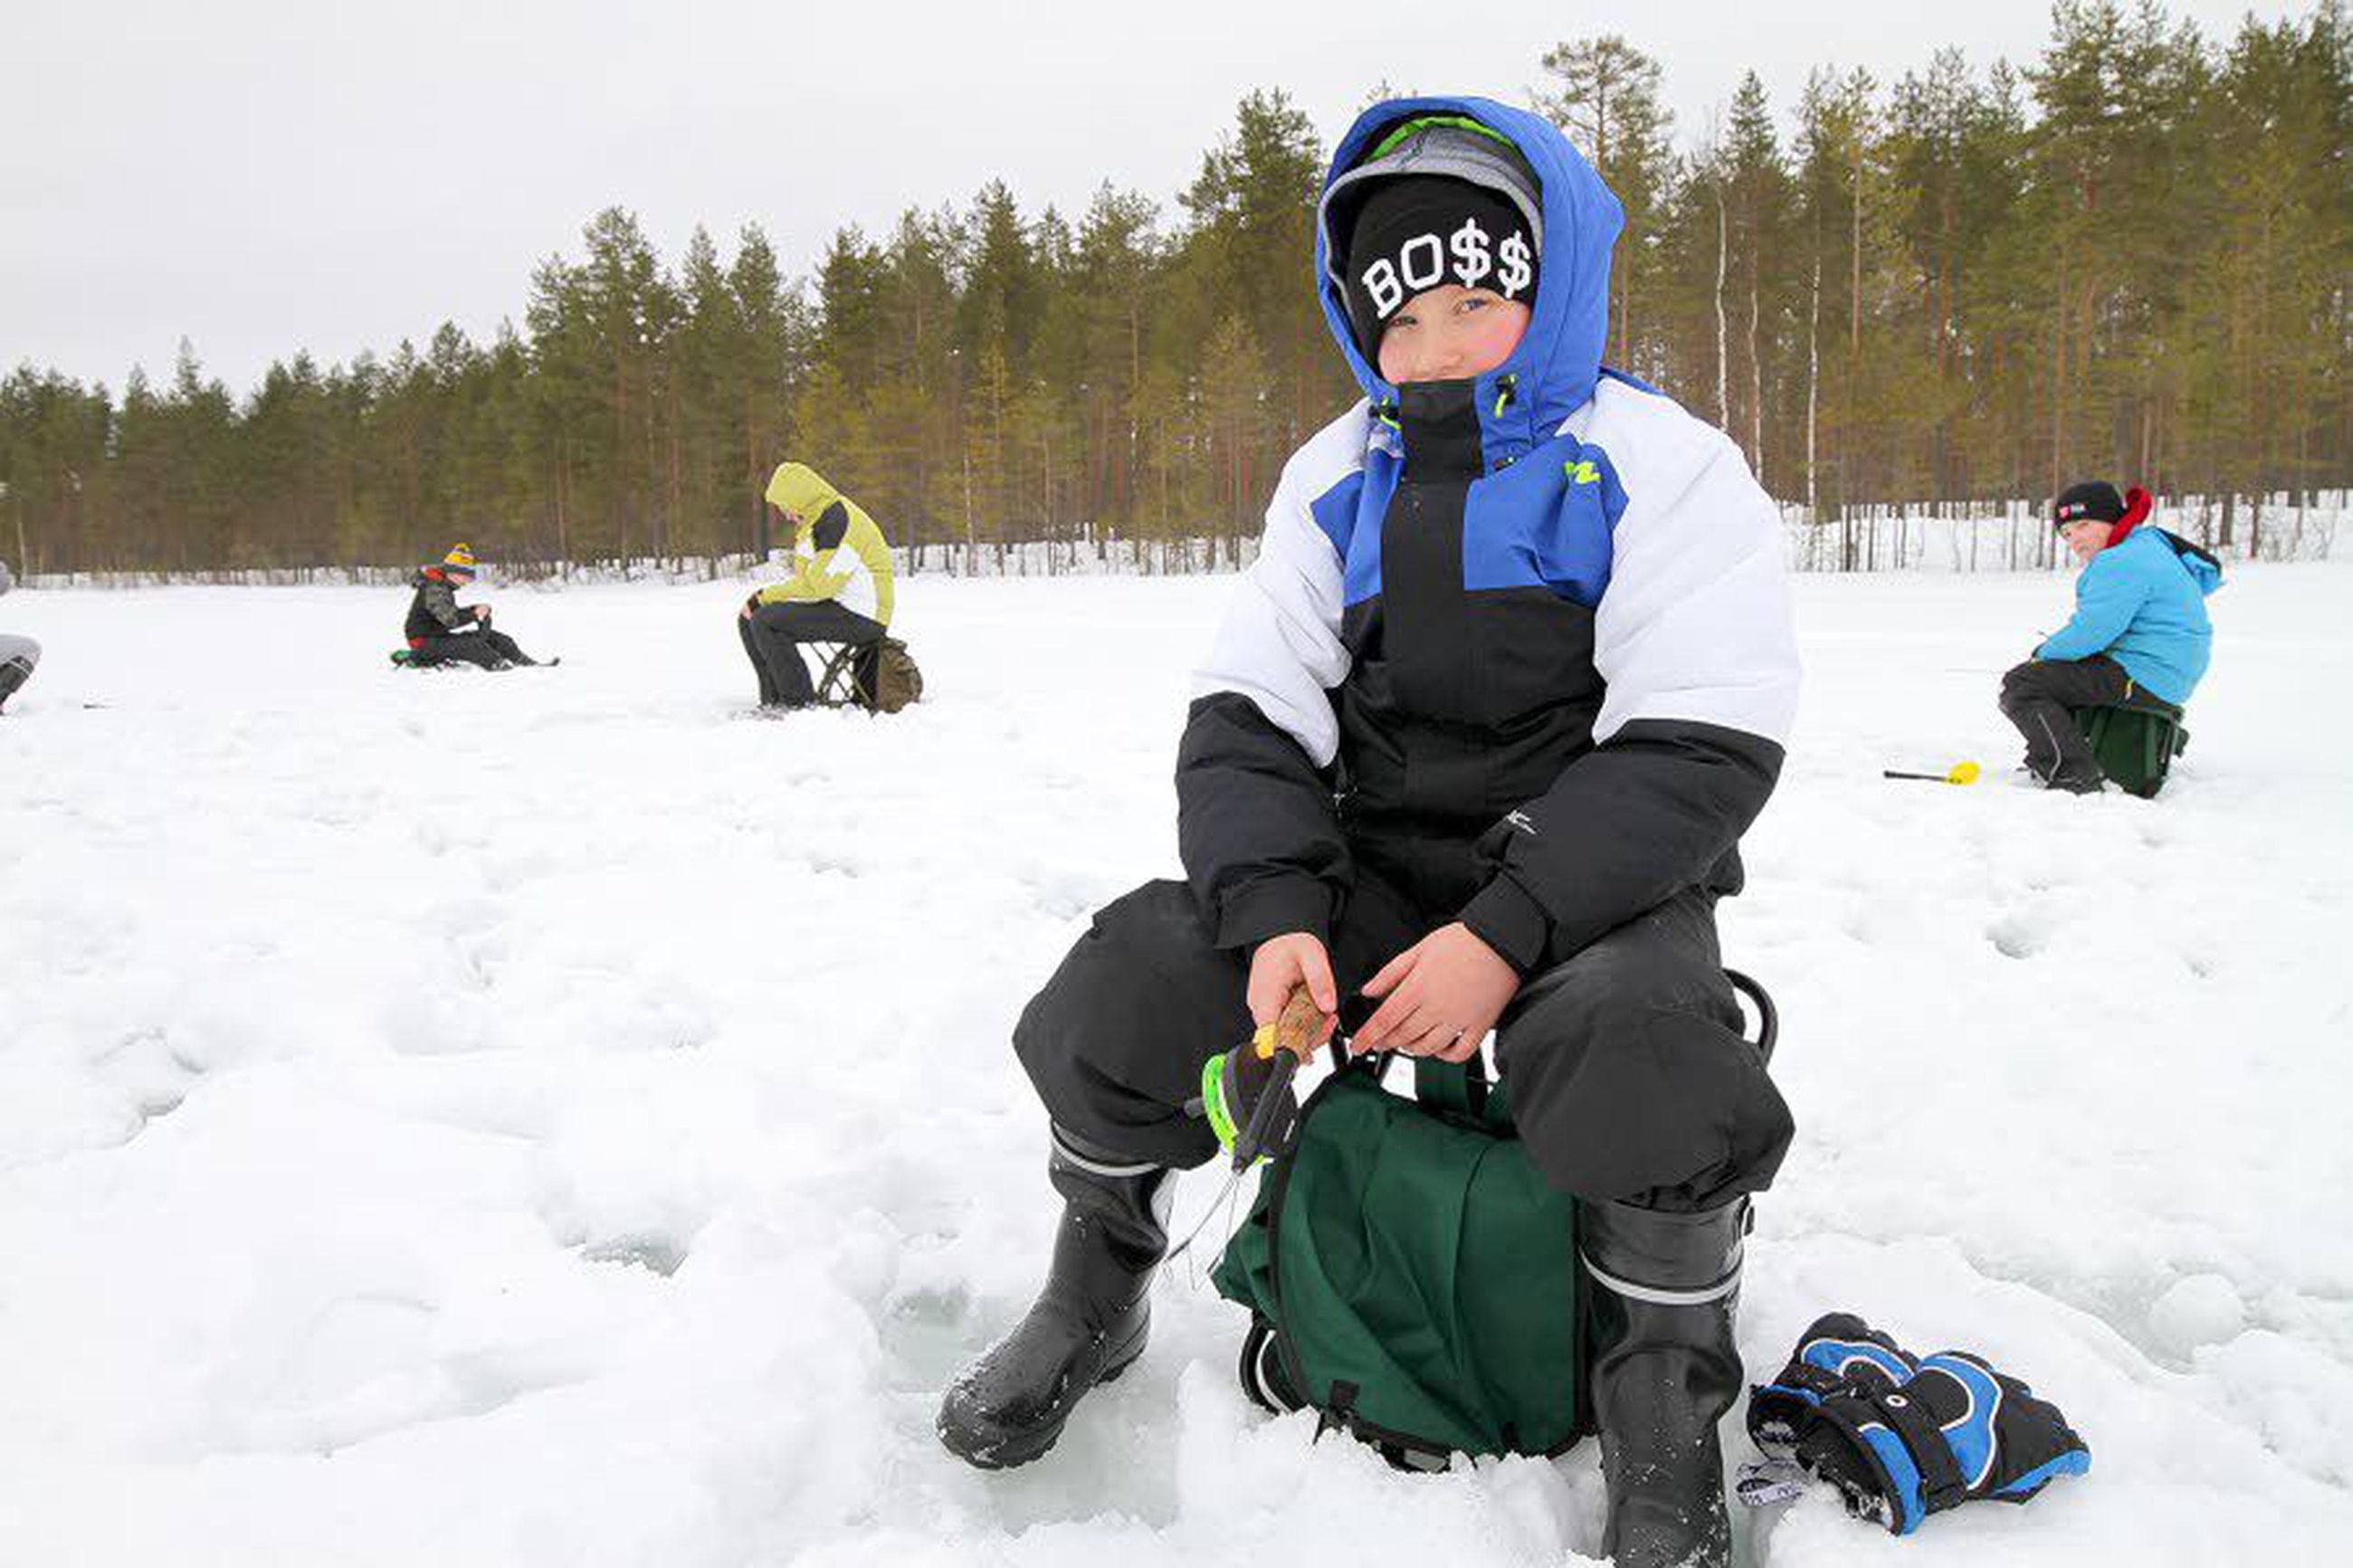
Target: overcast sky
x=261, y=176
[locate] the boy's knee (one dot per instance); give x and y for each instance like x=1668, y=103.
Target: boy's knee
x=2028, y=682
x=1631, y=1076
x=1155, y=930
x=1639, y=1102
x=1116, y=1039
x=1644, y=967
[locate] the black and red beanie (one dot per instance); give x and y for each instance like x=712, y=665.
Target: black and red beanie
x=1441, y=200
x=2097, y=500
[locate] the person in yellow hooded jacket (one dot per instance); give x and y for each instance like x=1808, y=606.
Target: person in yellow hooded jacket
x=839, y=590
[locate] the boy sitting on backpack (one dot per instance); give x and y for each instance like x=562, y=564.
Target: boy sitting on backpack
x=1477, y=738
x=440, y=632
x=2139, y=625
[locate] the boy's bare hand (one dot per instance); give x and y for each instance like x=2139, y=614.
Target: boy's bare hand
x=1284, y=964
x=1441, y=996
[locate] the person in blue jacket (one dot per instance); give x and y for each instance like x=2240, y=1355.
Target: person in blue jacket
x=2139, y=626
x=1475, y=741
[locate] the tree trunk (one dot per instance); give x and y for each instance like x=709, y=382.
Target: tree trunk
x=1723, y=366
x=1756, y=374
x=971, y=534
x=1813, y=380
x=2057, y=383
x=1854, y=263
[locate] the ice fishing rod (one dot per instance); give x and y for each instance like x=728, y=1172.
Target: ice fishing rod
x=1958, y=774
x=1247, y=1099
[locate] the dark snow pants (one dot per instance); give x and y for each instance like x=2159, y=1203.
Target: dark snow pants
x=773, y=637
x=2037, y=696
x=17, y=657
x=490, y=649
x=1628, y=1073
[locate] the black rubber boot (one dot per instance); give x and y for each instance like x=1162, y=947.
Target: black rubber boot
x=1089, y=1322
x=1664, y=1370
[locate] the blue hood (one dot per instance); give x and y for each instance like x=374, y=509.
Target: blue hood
x=1552, y=374
x=2203, y=569
x=2159, y=546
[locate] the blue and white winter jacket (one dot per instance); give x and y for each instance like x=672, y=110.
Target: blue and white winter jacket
x=2142, y=602
x=1524, y=639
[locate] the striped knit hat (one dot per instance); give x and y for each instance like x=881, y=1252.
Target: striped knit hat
x=459, y=559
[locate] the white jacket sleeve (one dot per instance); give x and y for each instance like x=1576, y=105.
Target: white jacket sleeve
x=1255, y=823
x=1696, y=623
x=1278, y=643
x=1694, y=637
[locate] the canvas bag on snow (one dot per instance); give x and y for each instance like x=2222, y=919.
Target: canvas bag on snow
x=897, y=681
x=1411, y=1275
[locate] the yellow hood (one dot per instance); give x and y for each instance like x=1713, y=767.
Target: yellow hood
x=799, y=488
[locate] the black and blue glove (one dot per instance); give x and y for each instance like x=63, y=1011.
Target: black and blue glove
x=1955, y=1431
x=1838, y=1354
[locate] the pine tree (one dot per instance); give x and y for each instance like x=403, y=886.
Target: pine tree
x=2129, y=259
x=1607, y=100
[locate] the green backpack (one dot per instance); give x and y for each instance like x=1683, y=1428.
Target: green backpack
x=2135, y=741
x=1411, y=1275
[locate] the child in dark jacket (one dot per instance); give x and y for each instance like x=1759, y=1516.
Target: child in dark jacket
x=17, y=655
x=17, y=658
x=440, y=632
x=1477, y=740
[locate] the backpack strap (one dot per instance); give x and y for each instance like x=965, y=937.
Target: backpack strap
x=1458, y=1087
x=1335, y=1411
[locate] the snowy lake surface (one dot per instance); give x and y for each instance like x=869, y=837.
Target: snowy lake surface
x=548, y=1118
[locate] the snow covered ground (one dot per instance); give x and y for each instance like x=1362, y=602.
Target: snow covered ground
x=542, y=1119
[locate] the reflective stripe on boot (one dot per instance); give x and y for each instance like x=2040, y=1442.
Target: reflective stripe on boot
x=1664, y=1370
x=1090, y=1322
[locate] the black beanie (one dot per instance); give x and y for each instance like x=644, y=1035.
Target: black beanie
x=2093, y=500
x=1419, y=231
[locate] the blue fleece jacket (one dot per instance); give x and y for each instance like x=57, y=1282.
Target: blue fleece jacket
x=2142, y=603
